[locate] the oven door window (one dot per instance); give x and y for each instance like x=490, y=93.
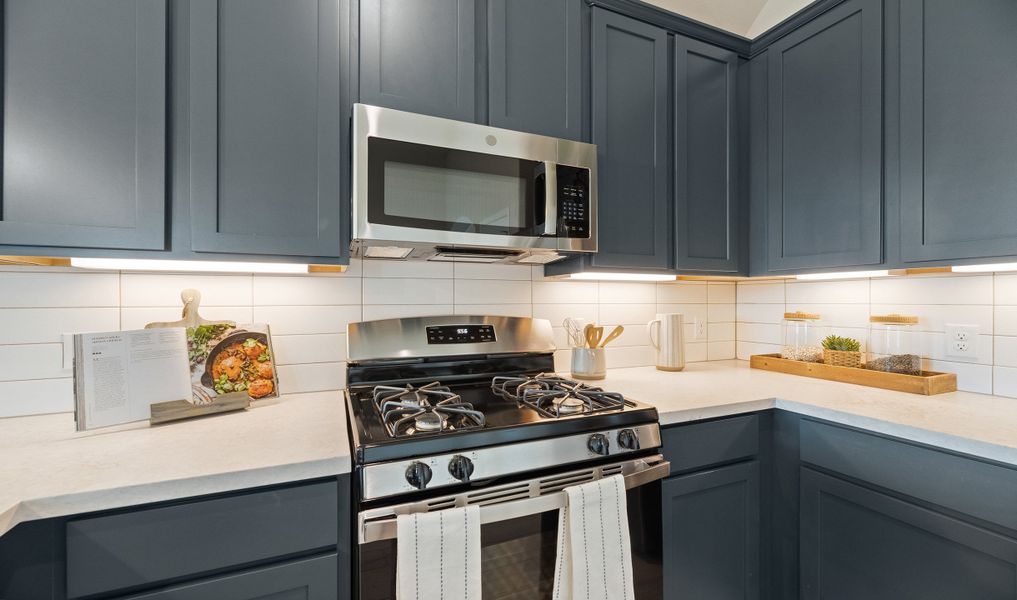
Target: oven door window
x=442, y=189
x=518, y=557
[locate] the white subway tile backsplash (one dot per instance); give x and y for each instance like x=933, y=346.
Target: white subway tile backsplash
x=683, y=292
x=565, y=292
x=556, y=313
x=970, y=377
x=1005, y=351
x=935, y=317
x=696, y=352
x=761, y=293
x=36, y=397
x=722, y=313
x=721, y=350
x=412, y=269
x=611, y=291
x=495, y=271
x=137, y=317
x=627, y=314
x=490, y=291
x=407, y=291
x=290, y=320
x=321, y=377
x=398, y=311
x=32, y=361
x=46, y=325
x=835, y=315
x=39, y=290
x=852, y=291
x=1004, y=381
x=766, y=333
x=690, y=312
x=1005, y=320
x=721, y=332
x=760, y=313
x=307, y=291
x=144, y=289
x=499, y=310
x=747, y=349
x=309, y=348
x=721, y=293
x=629, y=356
x=975, y=289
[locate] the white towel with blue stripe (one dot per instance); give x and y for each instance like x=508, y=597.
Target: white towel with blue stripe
x=438, y=555
x=594, y=550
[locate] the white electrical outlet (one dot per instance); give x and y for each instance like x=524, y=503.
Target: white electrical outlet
x=962, y=341
x=699, y=327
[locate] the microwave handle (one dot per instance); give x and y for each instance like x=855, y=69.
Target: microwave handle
x=550, y=198
x=377, y=529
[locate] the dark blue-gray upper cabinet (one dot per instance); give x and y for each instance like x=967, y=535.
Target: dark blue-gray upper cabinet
x=419, y=56
x=631, y=131
x=825, y=141
x=706, y=157
x=265, y=127
x=958, y=129
x=84, y=124
x=534, y=58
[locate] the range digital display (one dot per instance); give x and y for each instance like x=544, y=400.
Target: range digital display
x=460, y=334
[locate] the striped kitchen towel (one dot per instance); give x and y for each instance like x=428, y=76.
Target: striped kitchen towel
x=438, y=555
x=594, y=550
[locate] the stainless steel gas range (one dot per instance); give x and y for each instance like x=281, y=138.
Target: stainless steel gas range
x=458, y=410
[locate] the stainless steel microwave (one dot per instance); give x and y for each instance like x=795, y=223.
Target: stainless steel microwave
x=437, y=189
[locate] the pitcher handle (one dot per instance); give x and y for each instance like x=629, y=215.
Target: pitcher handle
x=649, y=330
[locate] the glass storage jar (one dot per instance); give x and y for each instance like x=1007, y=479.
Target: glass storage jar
x=894, y=344
x=800, y=337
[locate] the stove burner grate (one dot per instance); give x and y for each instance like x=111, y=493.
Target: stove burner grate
x=553, y=396
x=431, y=408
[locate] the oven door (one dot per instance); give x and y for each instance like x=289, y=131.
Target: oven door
x=519, y=536
x=425, y=181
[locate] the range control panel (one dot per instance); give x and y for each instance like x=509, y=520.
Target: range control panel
x=573, y=202
x=460, y=334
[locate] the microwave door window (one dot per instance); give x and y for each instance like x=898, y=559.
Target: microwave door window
x=426, y=187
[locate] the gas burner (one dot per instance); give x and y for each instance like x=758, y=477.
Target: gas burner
x=430, y=408
x=553, y=396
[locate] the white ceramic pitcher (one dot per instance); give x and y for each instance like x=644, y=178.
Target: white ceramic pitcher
x=667, y=335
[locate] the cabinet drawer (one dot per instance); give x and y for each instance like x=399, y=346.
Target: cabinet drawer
x=144, y=547
x=980, y=489
x=703, y=444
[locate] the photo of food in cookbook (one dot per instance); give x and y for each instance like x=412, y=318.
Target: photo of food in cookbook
x=228, y=359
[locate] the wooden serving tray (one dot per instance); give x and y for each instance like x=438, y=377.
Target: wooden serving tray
x=928, y=383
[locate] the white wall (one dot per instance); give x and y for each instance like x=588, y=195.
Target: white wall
x=308, y=314
x=989, y=301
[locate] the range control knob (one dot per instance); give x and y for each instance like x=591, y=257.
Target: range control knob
x=599, y=444
x=418, y=474
x=461, y=468
x=628, y=439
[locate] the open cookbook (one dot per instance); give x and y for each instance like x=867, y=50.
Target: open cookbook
x=123, y=376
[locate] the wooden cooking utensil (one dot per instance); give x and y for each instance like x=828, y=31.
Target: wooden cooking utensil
x=593, y=335
x=611, y=336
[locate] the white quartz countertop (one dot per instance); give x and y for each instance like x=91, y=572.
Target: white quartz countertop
x=976, y=424
x=49, y=470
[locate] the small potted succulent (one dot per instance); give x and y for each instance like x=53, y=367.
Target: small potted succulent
x=842, y=351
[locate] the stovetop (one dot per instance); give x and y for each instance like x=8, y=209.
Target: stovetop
x=393, y=421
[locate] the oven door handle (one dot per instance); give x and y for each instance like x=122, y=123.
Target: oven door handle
x=380, y=524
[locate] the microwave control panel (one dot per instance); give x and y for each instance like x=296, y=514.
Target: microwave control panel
x=573, y=202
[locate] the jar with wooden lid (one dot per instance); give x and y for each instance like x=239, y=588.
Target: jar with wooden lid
x=800, y=337
x=894, y=344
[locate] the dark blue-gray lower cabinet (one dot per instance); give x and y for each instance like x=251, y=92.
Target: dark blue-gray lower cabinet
x=711, y=534
x=265, y=127
x=535, y=66
x=958, y=131
x=630, y=128
x=825, y=141
x=308, y=579
x=706, y=157
x=860, y=543
x=419, y=56
x=84, y=124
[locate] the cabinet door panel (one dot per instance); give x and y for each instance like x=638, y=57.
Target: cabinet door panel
x=419, y=56
x=630, y=128
x=84, y=124
x=825, y=141
x=265, y=127
x=706, y=166
x=711, y=534
x=859, y=543
x=311, y=579
x=535, y=79
x=958, y=136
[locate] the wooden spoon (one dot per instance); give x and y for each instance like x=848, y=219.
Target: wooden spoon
x=593, y=334
x=611, y=336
